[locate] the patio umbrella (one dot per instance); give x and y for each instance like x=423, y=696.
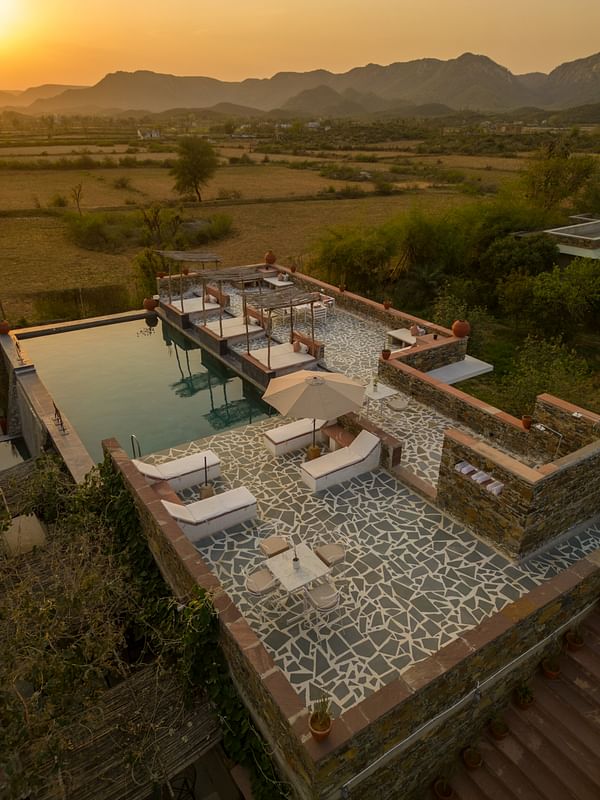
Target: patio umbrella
x=322, y=395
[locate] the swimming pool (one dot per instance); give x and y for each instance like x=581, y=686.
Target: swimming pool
x=130, y=378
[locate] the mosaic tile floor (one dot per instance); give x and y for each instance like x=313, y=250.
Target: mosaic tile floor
x=413, y=578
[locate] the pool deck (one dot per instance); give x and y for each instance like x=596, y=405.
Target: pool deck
x=413, y=580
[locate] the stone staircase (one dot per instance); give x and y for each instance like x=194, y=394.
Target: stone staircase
x=553, y=749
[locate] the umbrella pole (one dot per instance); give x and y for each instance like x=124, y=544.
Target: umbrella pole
x=245, y=312
x=221, y=309
x=314, y=432
x=181, y=286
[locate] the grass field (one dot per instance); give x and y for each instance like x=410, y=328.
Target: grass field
x=37, y=254
x=24, y=189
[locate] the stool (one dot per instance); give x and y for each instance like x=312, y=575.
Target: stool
x=331, y=554
x=273, y=545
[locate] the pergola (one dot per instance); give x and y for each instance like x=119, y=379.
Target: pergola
x=285, y=299
x=185, y=257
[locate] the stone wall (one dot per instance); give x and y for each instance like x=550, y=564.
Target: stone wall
x=535, y=505
x=577, y=425
x=432, y=355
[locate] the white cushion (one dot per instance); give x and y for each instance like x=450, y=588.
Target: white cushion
x=178, y=511
x=211, y=507
x=364, y=444
x=190, y=463
x=330, y=462
x=149, y=470
x=293, y=429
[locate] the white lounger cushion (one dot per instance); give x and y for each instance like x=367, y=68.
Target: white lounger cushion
x=343, y=464
x=293, y=436
x=206, y=517
x=282, y=355
x=181, y=473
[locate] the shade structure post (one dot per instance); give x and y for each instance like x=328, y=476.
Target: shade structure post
x=291, y=323
x=204, y=301
x=312, y=322
x=245, y=312
x=221, y=309
x=170, y=290
x=269, y=342
x=181, y=286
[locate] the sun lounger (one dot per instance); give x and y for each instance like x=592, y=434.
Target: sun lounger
x=283, y=355
x=343, y=464
x=181, y=473
x=207, y=517
x=293, y=436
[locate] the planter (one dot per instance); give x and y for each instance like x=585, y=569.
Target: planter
x=206, y=492
x=574, y=640
x=293, y=268
x=551, y=668
x=387, y=304
x=4, y=327
x=150, y=303
x=161, y=274
x=270, y=257
x=461, y=328
x=314, y=451
x=523, y=697
x=472, y=758
x=320, y=729
x=185, y=271
x=342, y=287
x=526, y=421
x=442, y=790
x=499, y=729
x=386, y=353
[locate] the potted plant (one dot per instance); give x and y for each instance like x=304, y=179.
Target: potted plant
x=270, y=257
x=4, y=327
x=342, y=287
x=523, y=696
x=386, y=353
x=551, y=667
x=526, y=421
x=320, y=721
x=160, y=274
x=574, y=640
x=442, y=790
x=387, y=304
x=185, y=270
x=150, y=303
x=472, y=758
x=498, y=728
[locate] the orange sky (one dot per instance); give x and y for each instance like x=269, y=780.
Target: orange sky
x=79, y=41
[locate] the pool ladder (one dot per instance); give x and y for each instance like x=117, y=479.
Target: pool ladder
x=135, y=442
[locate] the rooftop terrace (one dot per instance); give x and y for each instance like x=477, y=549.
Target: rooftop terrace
x=413, y=581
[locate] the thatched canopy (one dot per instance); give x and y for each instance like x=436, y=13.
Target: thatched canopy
x=283, y=298
x=190, y=256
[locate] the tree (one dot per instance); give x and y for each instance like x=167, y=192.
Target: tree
x=195, y=165
x=76, y=194
x=557, y=176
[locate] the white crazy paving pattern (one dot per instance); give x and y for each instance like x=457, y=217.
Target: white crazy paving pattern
x=413, y=579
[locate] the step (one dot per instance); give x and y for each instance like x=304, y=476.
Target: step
x=552, y=771
x=588, y=659
x=581, y=683
x=507, y=772
x=480, y=784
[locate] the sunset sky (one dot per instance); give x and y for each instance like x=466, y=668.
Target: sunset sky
x=79, y=41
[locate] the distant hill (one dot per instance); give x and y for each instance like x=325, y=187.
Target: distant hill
x=469, y=82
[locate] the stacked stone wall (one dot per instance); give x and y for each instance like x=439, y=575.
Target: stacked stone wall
x=576, y=425
x=432, y=355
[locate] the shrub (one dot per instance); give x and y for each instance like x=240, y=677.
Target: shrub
x=58, y=201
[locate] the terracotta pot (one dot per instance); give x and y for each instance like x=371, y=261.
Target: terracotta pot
x=318, y=733
x=150, y=303
x=185, y=271
x=4, y=327
x=472, y=758
x=573, y=640
x=293, y=268
x=523, y=702
x=161, y=274
x=387, y=304
x=270, y=257
x=442, y=790
x=551, y=669
x=342, y=287
x=314, y=451
x=526, y=421
x=461, y=328
x=499, y=729
x=385, y=353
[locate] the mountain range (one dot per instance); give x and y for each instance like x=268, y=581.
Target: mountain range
x=470, y=81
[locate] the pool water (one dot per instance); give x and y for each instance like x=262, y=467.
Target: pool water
x=129, y=378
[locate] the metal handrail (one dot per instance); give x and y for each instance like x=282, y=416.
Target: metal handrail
x=135, y=441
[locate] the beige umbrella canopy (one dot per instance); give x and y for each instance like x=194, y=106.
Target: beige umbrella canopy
x=322, y=395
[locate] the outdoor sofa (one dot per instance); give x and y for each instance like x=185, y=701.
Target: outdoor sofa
x=362, y=455
x=209, y=516
x=184, y=472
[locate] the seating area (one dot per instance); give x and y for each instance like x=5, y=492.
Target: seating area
x=233, y=328
x=185, y=472
x=194, y=306
x=206, y=517
x=293, y=436
x=343, y=464
x=284, y=355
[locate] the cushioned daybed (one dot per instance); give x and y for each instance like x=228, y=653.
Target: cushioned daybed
x=292, y=436
x=232, y=327
x=343, y=464
x=181, y=473
x=283, y=355
x=206, y=517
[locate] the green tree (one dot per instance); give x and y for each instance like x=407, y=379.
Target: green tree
x=196, y=164
x=557, y=175
x=545, y=366
x=530, y=254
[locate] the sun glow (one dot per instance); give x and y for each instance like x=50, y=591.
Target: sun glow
x=9, y=15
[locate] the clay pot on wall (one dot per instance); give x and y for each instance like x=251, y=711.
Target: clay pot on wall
x=461, y=328
x=472, y=758
x=387, y=304
x=320, y=729
x=270, y=257
x=523, y=696
x=526, y=421
x=386, y=353
x=150, y=303
x=160, y=274
x=551, y=668
x=499, y=728
x=4, y=327
x=185, y=271
x=342, y=287
x=293, y=268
